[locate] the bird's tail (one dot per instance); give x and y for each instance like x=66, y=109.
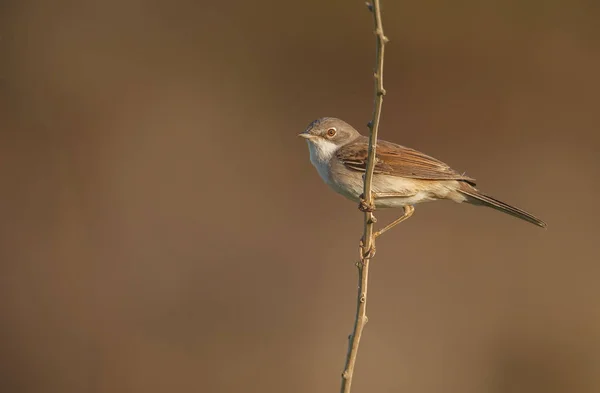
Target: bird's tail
x=475, y=197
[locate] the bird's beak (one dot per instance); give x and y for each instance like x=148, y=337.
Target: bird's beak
x=306, y=135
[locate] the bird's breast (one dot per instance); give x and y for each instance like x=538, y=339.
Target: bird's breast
x=320, y=157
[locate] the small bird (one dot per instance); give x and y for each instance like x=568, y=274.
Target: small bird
x=403, y=177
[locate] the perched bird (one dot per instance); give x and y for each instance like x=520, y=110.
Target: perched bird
x=403, y=177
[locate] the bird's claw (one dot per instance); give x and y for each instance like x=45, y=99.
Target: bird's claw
x=370, y=253
x=366, y=254
x=365, y=207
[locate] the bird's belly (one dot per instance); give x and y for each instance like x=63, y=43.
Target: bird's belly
x=391, y=202
x=406, y=191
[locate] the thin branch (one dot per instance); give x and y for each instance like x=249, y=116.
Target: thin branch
x=367, y=247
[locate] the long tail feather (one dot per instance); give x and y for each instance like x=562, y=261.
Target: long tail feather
x=477, y=198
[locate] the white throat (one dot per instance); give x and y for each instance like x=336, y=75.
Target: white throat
x=321, y=153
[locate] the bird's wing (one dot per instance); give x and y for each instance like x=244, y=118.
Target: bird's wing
x=396, y=160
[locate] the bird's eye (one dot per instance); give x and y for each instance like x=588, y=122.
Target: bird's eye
x=331, y=132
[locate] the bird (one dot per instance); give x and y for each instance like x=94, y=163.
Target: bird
x=402, y=177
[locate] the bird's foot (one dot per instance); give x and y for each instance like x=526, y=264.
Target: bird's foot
x=365, y=207
x=366, y=254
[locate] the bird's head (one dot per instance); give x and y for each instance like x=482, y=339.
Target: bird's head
x=327, y=134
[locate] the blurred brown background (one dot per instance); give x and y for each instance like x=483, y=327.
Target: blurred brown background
x=162, y=229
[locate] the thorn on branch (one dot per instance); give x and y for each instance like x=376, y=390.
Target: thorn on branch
x=369, y=6
x=381, y=92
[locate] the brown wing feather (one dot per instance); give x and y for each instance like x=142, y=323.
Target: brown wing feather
x=396, y=160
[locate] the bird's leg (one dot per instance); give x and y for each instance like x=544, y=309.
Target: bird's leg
x=408, y=211
x=363, y=206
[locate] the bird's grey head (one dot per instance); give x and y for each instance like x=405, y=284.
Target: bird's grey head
x=330, y=131
x=325, y=136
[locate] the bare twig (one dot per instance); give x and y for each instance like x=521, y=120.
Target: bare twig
x=367, y=246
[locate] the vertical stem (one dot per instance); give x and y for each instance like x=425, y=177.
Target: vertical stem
x=367, y=244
